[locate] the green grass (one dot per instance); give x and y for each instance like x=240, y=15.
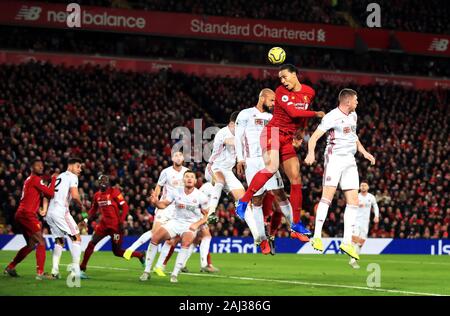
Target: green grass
x=246, y=274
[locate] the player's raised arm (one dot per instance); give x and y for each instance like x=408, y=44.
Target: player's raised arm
x=311, y=157
x=49, y=192
x=288, y=106
x=364, y=152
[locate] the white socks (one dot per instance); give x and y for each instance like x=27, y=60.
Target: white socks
x=181, y=258
x=150, y=256
x=250, y=220
x=349, y=222
x=322, y=212
x=204, y=250
x=215, y=196
x=162, y=256
x=190, y=251
x=142, y=240
x=286, y=209
x=76, y=253
x=259, y=223
x=57, y=252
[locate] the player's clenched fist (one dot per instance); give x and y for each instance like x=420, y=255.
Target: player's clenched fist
x=310, y=159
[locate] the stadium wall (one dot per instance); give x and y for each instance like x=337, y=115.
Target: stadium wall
x=214, y=70
x=283, y=245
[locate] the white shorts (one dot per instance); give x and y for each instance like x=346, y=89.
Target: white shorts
x=341, y=170
x=361, y=230
x=252, y=166
x=231, y=182
x=61, y=224
x=178, y=228
x=164, y=215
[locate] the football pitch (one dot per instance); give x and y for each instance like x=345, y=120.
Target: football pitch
x=244, y=275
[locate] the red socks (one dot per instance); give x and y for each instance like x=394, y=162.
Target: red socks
x=268, y=204
x=40, y=258
x=296, y=201
x=275, y=223
x=87, y=254
x=209, y=259
x=257, y=183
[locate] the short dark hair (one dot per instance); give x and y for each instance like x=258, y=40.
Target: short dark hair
x=289, y=67
x=190, y=171
x=73, y=160
x=365, y=181
x=345, y=93
x=37, y=159
x=234, y=116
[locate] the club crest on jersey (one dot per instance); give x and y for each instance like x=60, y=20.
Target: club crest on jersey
x=261, y=122
x=347, y=129
x=284, y=98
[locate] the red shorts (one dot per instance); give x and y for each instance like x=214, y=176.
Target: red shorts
x=29, y=223
x=271, y=140
x=103, y=231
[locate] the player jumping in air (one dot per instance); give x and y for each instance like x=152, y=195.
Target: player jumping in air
x=339, y=166
x=361, y=229
x=191, y=212
x=114, y=209
x=249, y=125
x=27, y=218
x=291, y=112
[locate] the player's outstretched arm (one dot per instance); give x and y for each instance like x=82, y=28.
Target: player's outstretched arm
x=376, y=211
x=49, y=192
x=364, y=152
x=311, y=157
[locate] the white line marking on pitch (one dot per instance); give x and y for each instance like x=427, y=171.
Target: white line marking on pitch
x=285, y=281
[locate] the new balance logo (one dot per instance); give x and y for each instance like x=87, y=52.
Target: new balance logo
x=439, y=45
x=28, y=13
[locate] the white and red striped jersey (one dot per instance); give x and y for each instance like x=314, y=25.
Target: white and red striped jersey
x=341, y=128
x=249, y=125
x=171, y=179
x=223, y=156
x=188, y=207
x=61, y=200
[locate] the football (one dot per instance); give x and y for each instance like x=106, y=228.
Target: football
x=276, y=55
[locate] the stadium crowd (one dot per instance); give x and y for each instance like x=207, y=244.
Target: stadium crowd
x=120, y=123
x=414, y=15
x=225, y=52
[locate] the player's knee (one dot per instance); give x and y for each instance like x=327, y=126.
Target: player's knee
x=257, y=200
x=60, y=241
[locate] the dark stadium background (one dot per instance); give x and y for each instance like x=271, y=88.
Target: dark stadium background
x=119, y=122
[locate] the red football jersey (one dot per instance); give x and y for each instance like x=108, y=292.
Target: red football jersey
x=31, y=194
x=292, y=109
x=108, y=204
